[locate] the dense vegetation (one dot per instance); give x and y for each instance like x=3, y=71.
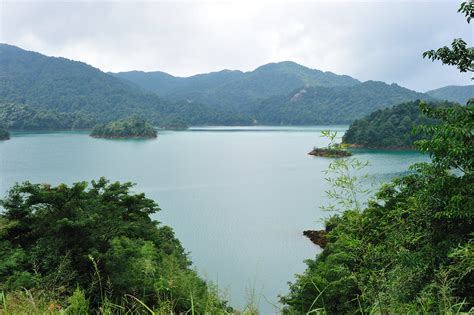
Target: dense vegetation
x=23, y=117
x=93, y=248
x=57, y=85
x=332, y=105
x=275, y=94
x=236, y=89
x=4, y=134
x=458, y=94
x=411, y=250
x=280, y=94
x=133, y=127
x=390, y=127
x=174, y=123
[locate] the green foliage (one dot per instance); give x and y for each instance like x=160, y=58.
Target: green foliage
x=22, y=117
x=78, y=304
x=98, y=238
x=331, y=136
x=236, y=89
x=410, y=250
x=391, y=127
x=279, y=94
x=53, y=86
x=4, y=134
x=467, y=7
x=133, y=127
x=400, y=255
x=174, y=123
x=333, y=149
x=332, y=105
x=459, y=55
x=452, y=142
x=271, y=94
x=347, y=190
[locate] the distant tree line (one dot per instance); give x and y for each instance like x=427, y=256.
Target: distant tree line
x=22, y=117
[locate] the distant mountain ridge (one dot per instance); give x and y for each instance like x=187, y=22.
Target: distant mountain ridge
x=453, y=93
x=279, y=93
x=60, y=85
x=65, y=85
x=333, y=105
x=273, y=94
x=235, y=88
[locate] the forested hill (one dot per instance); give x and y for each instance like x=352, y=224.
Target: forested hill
x=66, y=86
x=454, y=93
x=60, y=85
x=333, y=105
x=236, y=88
x=35, y=87
x=390, y=127
x=279, y=93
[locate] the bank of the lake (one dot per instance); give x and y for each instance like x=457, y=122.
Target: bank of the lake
x=238, y=198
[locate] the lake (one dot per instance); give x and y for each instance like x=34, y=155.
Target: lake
x=238, y=198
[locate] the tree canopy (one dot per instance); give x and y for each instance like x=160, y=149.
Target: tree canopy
x=98, y=237
x=133, y=127
x=411, y=250
x=391, y=127
x=4, y=134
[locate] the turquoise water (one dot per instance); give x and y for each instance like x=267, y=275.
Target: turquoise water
x=237, y=198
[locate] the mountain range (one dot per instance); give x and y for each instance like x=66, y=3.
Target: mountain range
x=275, y=93
x=236, y=88
x=453, y=93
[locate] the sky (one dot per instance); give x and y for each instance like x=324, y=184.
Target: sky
x=368, y=40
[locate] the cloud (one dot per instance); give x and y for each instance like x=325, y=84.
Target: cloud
x=379, y=40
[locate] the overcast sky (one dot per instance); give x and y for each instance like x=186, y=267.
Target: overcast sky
x=369, y=40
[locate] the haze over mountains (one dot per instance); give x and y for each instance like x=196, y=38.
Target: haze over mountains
x=453, y=93
x=273, y=94
x=236, y=88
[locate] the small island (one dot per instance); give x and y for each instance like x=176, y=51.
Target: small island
x=133, y=127
x=330, y=152
x=4, y=134
x=333, y=149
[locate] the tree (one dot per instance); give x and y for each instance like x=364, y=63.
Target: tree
x=97, y=237
x=459, y=54
x=410, y=249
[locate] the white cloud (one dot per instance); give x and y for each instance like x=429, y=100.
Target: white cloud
x=380, y=40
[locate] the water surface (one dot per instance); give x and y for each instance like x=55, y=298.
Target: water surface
x=237, y=198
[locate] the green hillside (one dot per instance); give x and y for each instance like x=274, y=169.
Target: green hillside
x=132, y=127
x=333, y=105
x=282, y=93
x=236, y=88
x=453, y=93
x=23, y=117
x=390, y=127
x=65, y=86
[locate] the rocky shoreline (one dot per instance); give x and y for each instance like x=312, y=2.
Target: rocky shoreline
x=318, y=237
x=391, y=148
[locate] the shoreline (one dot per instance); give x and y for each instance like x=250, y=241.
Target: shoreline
x=389, y=148
x=122, y=137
